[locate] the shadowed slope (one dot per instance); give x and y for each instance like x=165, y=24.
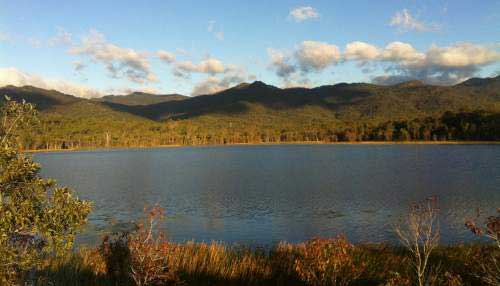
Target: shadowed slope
x=357, y=101
x=140, y=98
x=42, y=98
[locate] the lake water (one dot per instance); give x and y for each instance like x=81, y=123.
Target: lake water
x=260, y=195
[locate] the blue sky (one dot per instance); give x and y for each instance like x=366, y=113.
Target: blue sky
x=90, y=48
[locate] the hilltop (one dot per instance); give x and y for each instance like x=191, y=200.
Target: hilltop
x=140, y=98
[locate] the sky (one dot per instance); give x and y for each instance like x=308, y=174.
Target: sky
x=92, y=48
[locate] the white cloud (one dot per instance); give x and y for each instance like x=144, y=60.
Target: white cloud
x=361, y=51
x=461, y=55
x=15, y=77
x=304, y=13
x=120, y=62
x=212, y=84
x=437, y=65
x=287, y=67
x=215, y=30
x=165, y=56
x=401, y=61
x=208, y=86
x=78, y=66
x=210, y=66
x=406, y=22
x=62, y=37
x=281, y=62
x=186, y=66
x=316, y=56
x=401, y=52
x=12, y=76
x=309, y=56
x=126, y=90
x=298, y=82
x=4, y=37
x=220, y=75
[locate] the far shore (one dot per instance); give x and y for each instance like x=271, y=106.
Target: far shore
x=271, y=144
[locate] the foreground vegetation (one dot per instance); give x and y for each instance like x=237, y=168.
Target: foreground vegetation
x=146, y=257
x=38, y=221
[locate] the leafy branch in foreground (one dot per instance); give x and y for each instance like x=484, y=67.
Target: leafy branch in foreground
x=37, y=219
x=490, y=270
x=15, y=117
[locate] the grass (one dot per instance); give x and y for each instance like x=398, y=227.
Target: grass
x=219, y=264
x=146, y=257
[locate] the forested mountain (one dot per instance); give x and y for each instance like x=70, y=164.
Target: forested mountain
x=42, y=98
x=257, y=112
x=348, y=102
x=140, y=98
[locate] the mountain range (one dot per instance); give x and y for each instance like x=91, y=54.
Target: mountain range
x=256, y=109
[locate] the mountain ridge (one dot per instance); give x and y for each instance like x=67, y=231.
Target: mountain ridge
x=475, y=81
x=388, y=102
x=257, y=112
x=140, y=98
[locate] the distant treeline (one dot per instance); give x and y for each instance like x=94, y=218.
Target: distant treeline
x=462, y=126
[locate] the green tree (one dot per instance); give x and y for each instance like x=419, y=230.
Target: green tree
x=37, y=219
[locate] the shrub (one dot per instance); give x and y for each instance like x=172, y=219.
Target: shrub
x=36, y=218
x=419, y=233
x=327, y=262
x=149, y=252
x=490, y=270
x=115, y=252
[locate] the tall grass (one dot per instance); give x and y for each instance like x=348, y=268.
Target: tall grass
x=146, y=257
x=220, y=264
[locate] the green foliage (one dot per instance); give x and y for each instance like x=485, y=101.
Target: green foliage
x=36, y=218
x=259, y=113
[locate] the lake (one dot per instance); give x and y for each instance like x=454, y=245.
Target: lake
x=262, y=194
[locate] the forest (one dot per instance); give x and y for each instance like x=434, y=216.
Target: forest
x=259, y=113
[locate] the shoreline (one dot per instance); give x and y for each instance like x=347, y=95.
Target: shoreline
x=269, y=144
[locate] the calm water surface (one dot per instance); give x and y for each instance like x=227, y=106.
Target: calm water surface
x=264, y=194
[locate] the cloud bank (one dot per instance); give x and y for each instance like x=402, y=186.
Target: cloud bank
x=210, y=66
x=220, y=75
x=316, y=56
x=400, y=61
x=119, y=62
x=232, y=75
x=13, y=76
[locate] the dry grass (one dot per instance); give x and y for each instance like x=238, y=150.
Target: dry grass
x=219, y=264
x=146, y=258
